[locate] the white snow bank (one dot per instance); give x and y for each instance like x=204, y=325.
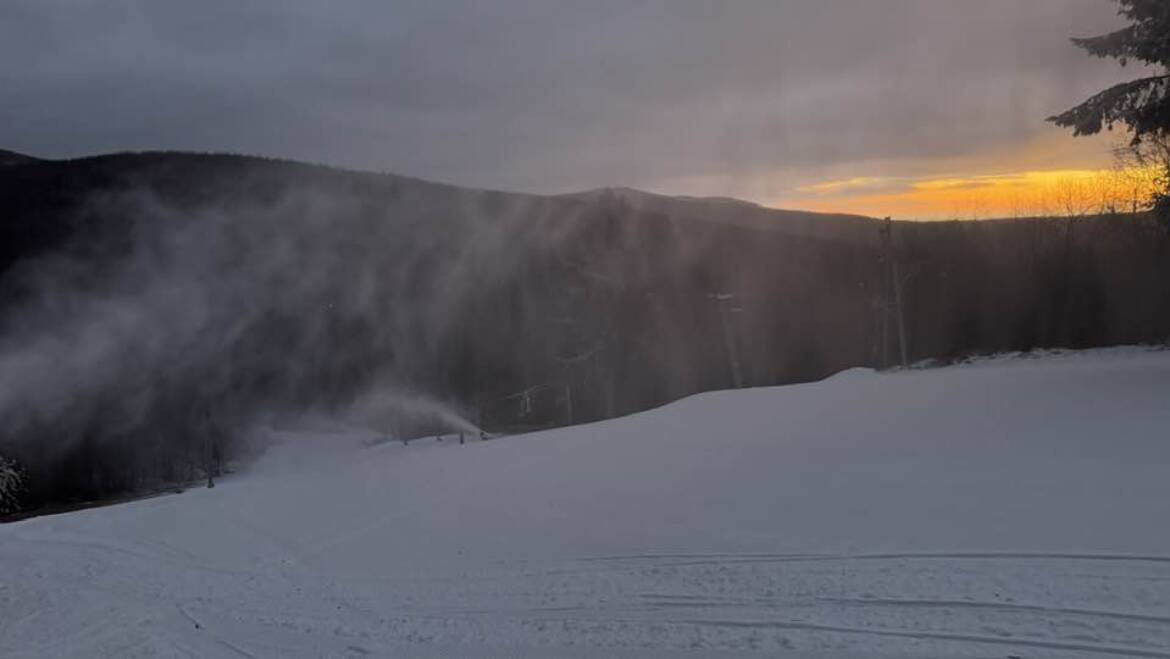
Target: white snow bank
x=1004, y=507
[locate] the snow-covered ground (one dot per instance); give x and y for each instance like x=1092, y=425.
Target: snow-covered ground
x=1011, y=507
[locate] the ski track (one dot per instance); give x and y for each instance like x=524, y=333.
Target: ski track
x=712, y=559
x=969, y=638
x=999, y=606
x=944, y=605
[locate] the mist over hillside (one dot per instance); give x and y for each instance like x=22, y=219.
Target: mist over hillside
x=150, y=301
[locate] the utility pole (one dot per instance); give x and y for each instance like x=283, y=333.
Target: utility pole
x=892, y=282
x=724, y=301
x=209, y=445
x=884, y=232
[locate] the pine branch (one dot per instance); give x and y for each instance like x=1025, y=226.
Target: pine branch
x=1138, y=103
x=1147, y=39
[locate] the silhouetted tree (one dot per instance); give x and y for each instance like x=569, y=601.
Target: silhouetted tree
x=1143, y=105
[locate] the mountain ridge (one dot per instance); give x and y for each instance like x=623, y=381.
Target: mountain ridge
x=742, y=212
x=14, y=158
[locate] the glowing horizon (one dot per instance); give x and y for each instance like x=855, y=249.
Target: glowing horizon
x=1029, y=193
x=1050, y=173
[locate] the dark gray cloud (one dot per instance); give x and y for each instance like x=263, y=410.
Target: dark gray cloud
x=544, y=95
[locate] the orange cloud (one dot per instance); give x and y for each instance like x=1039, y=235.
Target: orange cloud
x=1018, y=194
x=1051, y=173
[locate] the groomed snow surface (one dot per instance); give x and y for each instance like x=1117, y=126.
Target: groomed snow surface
x=1009, y=507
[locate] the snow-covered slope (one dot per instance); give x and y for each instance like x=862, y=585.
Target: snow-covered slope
x=1007, y=507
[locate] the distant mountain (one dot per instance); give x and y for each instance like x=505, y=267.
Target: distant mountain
x=739, y=213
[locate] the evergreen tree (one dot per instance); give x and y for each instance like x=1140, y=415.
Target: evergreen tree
x=1142, y=105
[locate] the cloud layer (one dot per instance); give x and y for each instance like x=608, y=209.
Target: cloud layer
x=752, y=98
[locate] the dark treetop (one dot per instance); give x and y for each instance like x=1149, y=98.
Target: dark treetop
x=1143, y=105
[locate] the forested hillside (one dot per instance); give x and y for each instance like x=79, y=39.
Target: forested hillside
x=149, y=302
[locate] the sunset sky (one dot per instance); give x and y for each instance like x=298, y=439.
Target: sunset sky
x=1051, y=175
x=912, y=108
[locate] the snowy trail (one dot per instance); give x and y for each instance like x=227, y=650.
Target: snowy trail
x=900, y=605
x=1006, y=508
